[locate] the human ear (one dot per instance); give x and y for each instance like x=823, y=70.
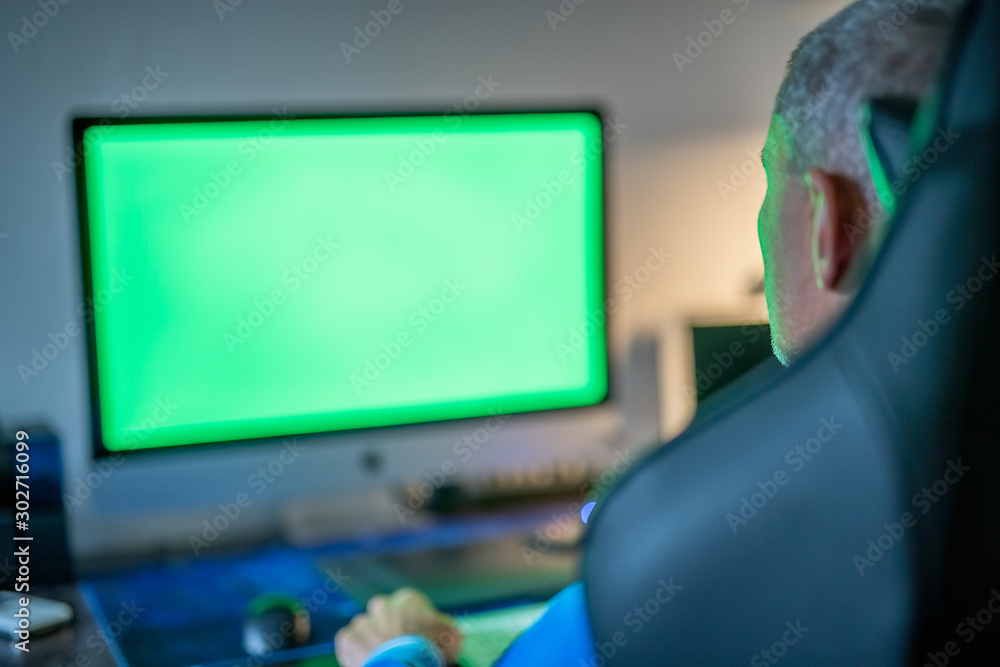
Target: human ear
x=834, y=242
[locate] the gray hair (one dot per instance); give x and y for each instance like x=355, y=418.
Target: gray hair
x=871, y=48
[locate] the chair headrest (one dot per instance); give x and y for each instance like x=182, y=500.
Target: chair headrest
x=804, y=503
x=886, y=143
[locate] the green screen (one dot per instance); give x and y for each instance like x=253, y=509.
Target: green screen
x=270, y=277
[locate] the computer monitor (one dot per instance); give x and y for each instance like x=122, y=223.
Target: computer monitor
x=387, y=278
x=702, y=352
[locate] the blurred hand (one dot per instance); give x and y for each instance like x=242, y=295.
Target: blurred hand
x=405, y=612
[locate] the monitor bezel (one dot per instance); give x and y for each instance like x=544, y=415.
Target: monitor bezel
x=81, y=123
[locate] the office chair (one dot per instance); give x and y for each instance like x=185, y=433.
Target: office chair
x=845, y=511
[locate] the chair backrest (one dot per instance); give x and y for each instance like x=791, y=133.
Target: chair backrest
x=846, y=510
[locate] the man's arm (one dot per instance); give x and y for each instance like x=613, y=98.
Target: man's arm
x=560, y=637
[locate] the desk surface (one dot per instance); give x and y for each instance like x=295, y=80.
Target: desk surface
x=82, y=644
x=191, y=610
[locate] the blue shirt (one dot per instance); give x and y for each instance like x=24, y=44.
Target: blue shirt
x=560, y=638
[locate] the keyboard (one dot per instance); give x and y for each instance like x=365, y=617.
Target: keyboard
x=486, y=635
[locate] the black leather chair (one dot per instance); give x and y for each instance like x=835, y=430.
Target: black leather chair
x=845, y=511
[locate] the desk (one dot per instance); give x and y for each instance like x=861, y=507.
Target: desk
x=81, y=644
x=190, y=610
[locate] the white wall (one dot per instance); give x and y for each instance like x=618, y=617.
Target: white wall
x=686, y=130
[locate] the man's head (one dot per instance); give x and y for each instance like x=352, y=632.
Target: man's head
x=821, y=219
